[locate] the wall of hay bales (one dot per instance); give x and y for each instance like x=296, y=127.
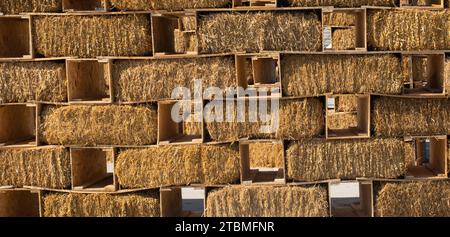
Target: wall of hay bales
x=413, y=199
x=89, y=36
x=11, y=7
x=314, y=160
x=396, y=117
x=178, y=165
x=342, y=3
x=312, y=75
x=144, y=204
x=33, y=81
x=403, y=30
x=257, y=31
x=150, y=80
x=90, y=125
x=46, y=167
x=266, y=201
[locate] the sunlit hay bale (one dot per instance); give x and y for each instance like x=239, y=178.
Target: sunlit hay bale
x=91, y=36
x=313, y=75
x=177, y=165
x=12, y=7
x=266, y=155
x=447, y=73
x=131, y=5
x=148, y=80
x=257, y=31
x=413, y=199
x=188, y=23
x=342, y=121
x=313, y=160
x=185, y=41
x=394, y=117
x=344, y=39
x=343, y=3
x=302, y=118
x=265, y=201
x=99, y=125
x=173, y=5
x=346, y=103
x=142, y=204
x=45, y=167
x=222, y=130
x=33, y=81
x=409, y=29
x=339, y=19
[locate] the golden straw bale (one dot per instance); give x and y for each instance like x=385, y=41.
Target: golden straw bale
x=344, y=39
x=266, y=155
x=12, y=7
x=342, y=3
x=339, y=19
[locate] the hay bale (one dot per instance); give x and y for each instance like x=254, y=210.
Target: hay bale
x=177, y=165
x=170, y=5
x=99, y=125
x=344, y=39
x=394, y=117
x=149, y=80
x=185, y=42
x=413, y=199
x=342, y=3
x=192, y=128
x=342, y=121
x=346, y=103
x=257, y=31
x=264, y=201
x=313, y=160
x=142, y=204
x=266, y=155
x=410, y=29
x=447, y=74
x=92, y=36
x=45, y=167
x=339, y=19
x=33, y=81
x=313, y=75
x=12, y=7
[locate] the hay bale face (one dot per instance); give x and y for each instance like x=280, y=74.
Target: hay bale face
x=447, y=74
x=33, y=81
x=45, y=167
x=177, y=165
x=144, y=204
x=266, y=155
x=344, y=39
x=12, y=7
x=99, y=125
x=92, y=36
x=260, y=201
x=149, y=80
x=385, y=32
x=339, y=19
x=257, y=31
x=131, y=5
x=342, y=3
x=313, y=75
x=413, y=199
x=313, y=160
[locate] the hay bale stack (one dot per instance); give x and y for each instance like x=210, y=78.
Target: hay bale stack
x=170, y=5
x=313, y=160
x=257, y=31
x=177, y=165
x=413, y=199
x=263, y=201
x=45, y=167
x=99, y=125
x=266, y=155
x=395, y=117
x=92, y=36
x=148, y=80
x=410, y=29
x=313, y=75
x=12, y=7
x=33, y=81
x=342, y=121
x=344, y=39
x=342, y=3
x=143, y=204
x=339, y=19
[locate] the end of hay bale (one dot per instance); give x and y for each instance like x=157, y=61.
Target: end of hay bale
x=266, y=155
x=344, y=39
x=14, y=7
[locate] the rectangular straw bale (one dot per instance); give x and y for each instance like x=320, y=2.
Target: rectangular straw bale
x=142, y=204
x=313, y=160
x=177, y=165
x=149, y=80
x=264, y=201
x=313, y=75
x=170, y=5
x=339, y=19
x=394, y=117
x=266, y=155
x=33, y=81
x=344, y=39
x=185, y=41
x=99, y=125
x=410, y=29
x=346, y=103
x=257, y=31
x=45, y=167
x=447, y=74
x=343, y=3
x=413, y=199
x=13, y=7
x=91, y=36
x=342, y=121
